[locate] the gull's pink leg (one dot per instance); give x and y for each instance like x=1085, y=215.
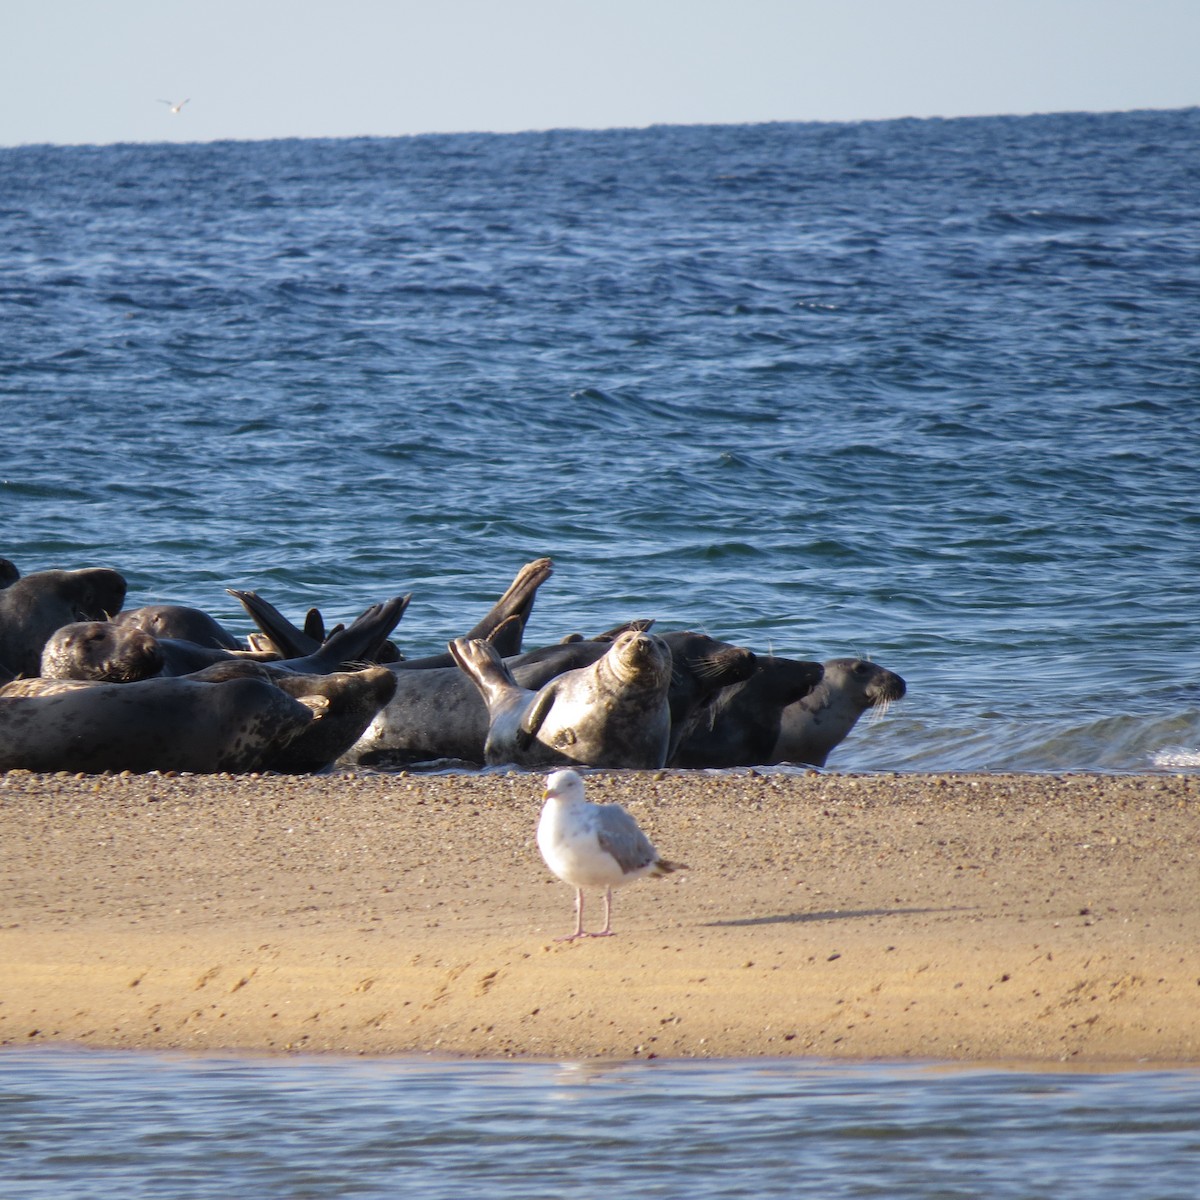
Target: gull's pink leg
x=607, y=930
x=570, y=937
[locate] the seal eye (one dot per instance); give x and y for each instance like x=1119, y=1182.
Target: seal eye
x=862, y=668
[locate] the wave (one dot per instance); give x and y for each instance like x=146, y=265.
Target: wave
x=1116, y=743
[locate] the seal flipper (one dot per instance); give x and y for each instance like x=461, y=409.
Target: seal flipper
x=290, y=641
x=360, y=641
x=481, y=663
x=517, y=602
x=506, y=637
x=535, y=716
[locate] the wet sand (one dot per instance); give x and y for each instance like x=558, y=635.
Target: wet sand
x=976, y=918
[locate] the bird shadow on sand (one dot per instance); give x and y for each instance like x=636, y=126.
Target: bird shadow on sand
x=834, y=914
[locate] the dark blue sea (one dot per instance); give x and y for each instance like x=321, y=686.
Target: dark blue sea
x=927, y=391
x=923, y=390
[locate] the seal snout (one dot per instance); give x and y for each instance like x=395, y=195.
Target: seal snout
x=886, y=688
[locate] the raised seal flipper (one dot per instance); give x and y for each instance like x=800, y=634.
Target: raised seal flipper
x=517, y=602
x=290, y=641
x=483, y=666
x=361, y=640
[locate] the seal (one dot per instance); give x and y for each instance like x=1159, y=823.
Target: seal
x=613, y=713
x=740, y=725
x=151, y=725
x=113, y=652
x=701, y=668
x=440, y=714
x=101, y=651
x=351, y=701
x=35, y=605
x=815, y=725
x=180, y=622
x=503, y=625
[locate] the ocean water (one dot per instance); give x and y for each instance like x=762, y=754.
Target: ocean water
x=145, y=1126
x=927, y=391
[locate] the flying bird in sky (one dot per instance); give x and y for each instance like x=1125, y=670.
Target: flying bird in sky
x=173, y=106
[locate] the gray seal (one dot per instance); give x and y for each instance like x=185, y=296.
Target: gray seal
x=613, y=713
x=440, y=714
x=101, y=651
x=152, y=725
x=347, y=701
x=740, y=725
x=813, y=726
x=181, y=623
x=34, y=606
x=115, y=652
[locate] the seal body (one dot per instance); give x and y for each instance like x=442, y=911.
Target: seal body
x=346, y=700
x=35, y=605
x=740, y=725
x=180, y=622
x=812, y=727
x=440, y=714
x=613, y=713
x=150, y=725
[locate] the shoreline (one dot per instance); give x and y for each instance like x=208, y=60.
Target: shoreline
x=972, y=919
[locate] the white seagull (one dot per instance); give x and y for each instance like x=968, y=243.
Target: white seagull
x=593, y=845
x=173, y=106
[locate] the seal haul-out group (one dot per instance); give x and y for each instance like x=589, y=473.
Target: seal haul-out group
x=91, y=686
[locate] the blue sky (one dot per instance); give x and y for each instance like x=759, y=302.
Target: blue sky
x=78, y=71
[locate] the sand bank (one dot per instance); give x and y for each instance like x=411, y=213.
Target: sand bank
x=1017, y=918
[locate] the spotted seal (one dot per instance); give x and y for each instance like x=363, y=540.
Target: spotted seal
x=152, y=725
x=351, y=701
x=180, y=622
x=114, y=652
x=613, y=713
x=101, y=651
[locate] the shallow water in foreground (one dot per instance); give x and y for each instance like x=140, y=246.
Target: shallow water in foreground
x=145, y=1126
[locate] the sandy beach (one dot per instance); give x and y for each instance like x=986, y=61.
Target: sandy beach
x=998, y=918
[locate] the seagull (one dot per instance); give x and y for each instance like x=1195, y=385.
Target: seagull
x=173, y=106
x=593, y=845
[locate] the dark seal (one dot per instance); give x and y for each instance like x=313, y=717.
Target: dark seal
x=740, y=725
x=180, y=623
x=152, y=725
x=813, y=726
x=34, y=606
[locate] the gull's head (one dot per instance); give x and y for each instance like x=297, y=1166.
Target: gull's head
x=563, y=785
